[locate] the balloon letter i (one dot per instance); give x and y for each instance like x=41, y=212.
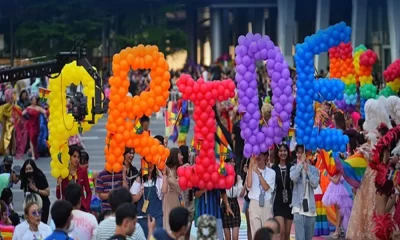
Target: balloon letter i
x=309, y=89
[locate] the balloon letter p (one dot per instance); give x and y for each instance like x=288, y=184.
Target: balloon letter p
x=309, y=89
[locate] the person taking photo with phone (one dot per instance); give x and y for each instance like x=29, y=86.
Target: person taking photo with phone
x=305, y=178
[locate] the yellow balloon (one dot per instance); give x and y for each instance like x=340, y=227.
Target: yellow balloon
x=64, y=172
x=55, y=172
x=61, y=124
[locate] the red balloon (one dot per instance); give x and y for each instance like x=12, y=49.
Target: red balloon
x=182, y=183
x=180, y=171
x=204, y=96
x=202, y=184
x=188, y=173
x=195, y=179
x=229, y=169
x=214, y=177
x=229, y=181
x=210, y=186
x=206, y=177
x=221, y=184
x=200, y=169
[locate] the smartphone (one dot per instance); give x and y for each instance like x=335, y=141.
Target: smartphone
x=141, y=217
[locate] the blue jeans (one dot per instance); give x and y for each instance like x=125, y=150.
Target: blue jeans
x=304, y=227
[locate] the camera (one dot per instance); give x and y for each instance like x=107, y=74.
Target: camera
x=79, y=106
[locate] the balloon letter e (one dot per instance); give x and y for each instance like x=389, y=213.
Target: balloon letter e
x=204, y=174
x=309, y=90
x=252, y=48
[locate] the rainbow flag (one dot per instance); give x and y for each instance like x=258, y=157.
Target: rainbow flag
x=138, y=128
x=144, y=166
x=192, y=146
x=172, y=118
x=354, y=169
x=323, y=227
x=328, y=161
x=7, y=232
x=184, y=123
x=222, y=147
x=326, y=216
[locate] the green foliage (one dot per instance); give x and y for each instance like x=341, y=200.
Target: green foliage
x=49, y=26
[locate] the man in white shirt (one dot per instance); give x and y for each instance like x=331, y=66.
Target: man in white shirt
x=261, y=184
x=84, y=224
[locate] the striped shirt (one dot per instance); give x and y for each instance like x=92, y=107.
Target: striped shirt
x=107, y=228
x=105, y=183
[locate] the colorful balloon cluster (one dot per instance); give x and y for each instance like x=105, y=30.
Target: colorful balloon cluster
x=364, y=61
x=124, y=111
x=392, y=77
x=250, y=49
x=310, y=90
x=61, y=124
x=204, y=95
x=344, y=69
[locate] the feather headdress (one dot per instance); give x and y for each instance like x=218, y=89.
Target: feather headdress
x=375, y=114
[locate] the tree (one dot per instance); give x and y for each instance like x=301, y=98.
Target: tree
x=48, y=26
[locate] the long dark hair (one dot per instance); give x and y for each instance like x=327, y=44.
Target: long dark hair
x=153, y=175
x=229, y=160
x=340, y=120
x=172, y=160
x=37, y=173
x=185, y=153
x=277, y=159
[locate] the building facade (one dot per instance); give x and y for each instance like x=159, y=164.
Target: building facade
x=214, y=26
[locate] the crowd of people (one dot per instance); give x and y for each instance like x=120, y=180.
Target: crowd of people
x=281, y=187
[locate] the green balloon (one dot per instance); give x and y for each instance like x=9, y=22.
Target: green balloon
x=386, y=92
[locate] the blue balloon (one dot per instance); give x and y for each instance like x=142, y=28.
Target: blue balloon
x=310, y=90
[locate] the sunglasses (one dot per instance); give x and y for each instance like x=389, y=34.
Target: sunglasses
x=37, y=213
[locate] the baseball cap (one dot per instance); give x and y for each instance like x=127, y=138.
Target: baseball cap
x=17, y=170
x=8, y=159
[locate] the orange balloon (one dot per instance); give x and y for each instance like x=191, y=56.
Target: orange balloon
x=120, y=130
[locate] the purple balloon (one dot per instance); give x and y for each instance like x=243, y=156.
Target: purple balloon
x=288, y=90
x=256, y=150
x=248, y=76
x=251, y=67
x=243, y=85
x=241, y=69
x=263, y=54
x=246, y=61
x=251, y=48
x=285, y=73
x=278, y=107
x=282, y=84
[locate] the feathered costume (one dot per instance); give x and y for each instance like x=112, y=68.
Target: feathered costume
x=385, y=225
x=361, y=223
